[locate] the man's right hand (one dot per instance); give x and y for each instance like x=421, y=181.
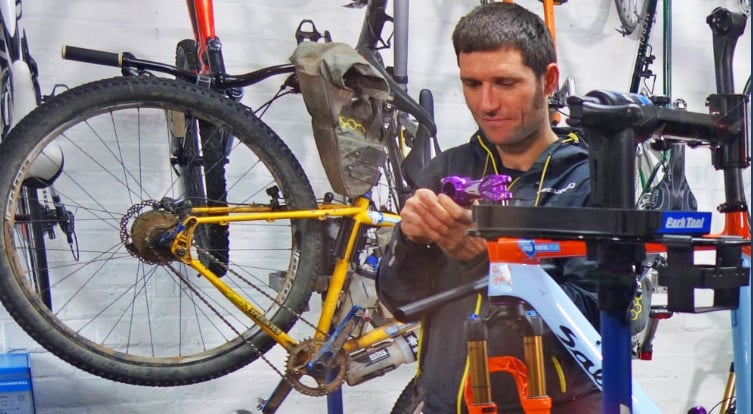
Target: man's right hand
x=428, y=218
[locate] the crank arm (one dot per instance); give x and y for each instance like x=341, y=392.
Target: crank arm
x=321, y=363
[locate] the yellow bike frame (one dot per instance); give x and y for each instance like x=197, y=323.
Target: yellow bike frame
x=361, y=214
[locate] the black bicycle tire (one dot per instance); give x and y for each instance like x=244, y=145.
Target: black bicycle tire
x=207, y=187
x=628, y=25
x=409, y=400
x=62, y=340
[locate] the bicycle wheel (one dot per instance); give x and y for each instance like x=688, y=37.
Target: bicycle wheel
x=200, y=159
x=410, y=400
x=136, y=316
x=630, y=13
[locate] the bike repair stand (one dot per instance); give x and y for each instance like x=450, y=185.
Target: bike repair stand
x=616, y=233
x=335, y=402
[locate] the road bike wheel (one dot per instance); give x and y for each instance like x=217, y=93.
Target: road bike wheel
x=201, y=160
x=137, y=316
x=630, y=13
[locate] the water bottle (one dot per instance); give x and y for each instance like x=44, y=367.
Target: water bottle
x=382, y=358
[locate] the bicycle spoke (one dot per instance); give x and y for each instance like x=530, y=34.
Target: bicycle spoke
x=123, y=297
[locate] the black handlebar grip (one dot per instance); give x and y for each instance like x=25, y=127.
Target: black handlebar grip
x=98, y=57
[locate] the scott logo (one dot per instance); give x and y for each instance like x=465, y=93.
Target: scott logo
x=568, y=338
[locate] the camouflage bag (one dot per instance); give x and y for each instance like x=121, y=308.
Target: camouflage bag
x=344, y=95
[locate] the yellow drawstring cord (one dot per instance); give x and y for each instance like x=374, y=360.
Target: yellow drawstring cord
x=489, y=156
x=541, y=180
x=560, y=373
x=459, y=399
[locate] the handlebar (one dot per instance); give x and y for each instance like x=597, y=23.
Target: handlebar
x=97, y=57
x=127, y=61
x=123, y=60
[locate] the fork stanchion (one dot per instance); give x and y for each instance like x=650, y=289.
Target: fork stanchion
x=480, y=401
x=529, y=376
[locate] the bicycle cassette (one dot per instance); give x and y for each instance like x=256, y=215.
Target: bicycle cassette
x=310, y=381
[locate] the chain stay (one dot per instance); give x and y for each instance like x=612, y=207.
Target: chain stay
x=305, y=347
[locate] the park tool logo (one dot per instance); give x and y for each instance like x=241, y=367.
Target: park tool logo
x=685, y=222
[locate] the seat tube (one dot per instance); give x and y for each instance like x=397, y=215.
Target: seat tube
x=549, y=19
x=401, y=10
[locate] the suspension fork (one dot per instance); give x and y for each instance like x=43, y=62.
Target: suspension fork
x=211, y=60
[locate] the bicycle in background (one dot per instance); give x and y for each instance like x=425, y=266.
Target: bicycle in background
x=40, y=208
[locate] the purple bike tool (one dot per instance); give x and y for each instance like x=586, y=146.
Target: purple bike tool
x=464, y=191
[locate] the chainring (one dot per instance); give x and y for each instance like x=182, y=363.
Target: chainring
x=307, y=382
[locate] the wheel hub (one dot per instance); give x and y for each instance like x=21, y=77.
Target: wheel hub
x=146, y=230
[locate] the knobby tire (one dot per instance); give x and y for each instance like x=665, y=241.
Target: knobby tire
x=132, y=319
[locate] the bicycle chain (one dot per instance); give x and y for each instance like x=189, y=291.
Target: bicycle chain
x=216, y=312
x=258, y=289
x=128, y=243
x=307, y=346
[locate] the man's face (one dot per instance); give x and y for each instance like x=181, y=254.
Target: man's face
x=504, y=95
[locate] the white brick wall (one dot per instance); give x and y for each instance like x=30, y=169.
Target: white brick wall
x=692, y=351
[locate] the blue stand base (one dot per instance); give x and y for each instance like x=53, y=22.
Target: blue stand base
x=615, y=347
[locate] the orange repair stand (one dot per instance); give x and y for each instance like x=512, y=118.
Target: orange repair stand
x=516, y=368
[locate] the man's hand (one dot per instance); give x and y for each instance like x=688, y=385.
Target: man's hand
x=427, y=218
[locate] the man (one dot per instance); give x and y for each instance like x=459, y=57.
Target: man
x=508, y=69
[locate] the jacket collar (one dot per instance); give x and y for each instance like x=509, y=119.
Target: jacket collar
x=570, y=148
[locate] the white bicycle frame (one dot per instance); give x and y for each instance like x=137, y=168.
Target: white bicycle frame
x=533, y=285
x=21, y=96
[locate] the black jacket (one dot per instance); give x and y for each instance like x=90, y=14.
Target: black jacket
x=409, y=272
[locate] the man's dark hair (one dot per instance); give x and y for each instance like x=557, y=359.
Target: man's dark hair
x=497, y=25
